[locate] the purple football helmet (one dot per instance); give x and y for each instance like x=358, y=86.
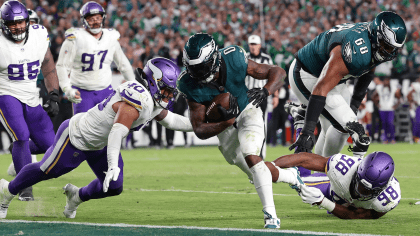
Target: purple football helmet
x=160, y=73
x=373, y=174
x=11, y=12
x=92, y=8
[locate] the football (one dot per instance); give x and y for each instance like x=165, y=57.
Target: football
x=212, y=113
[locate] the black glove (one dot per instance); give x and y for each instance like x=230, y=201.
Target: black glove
x=360, y=139
x=233, y=110
x=51, y=106
x=305, y=142
x=257, y=96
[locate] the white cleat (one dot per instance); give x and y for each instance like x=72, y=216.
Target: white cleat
x=11, y=170
x=72, y=201
x=5, y=198
x=270, y=222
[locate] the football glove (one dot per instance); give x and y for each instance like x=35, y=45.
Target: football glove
x=311, y=195
x=111, y=174
x=257, y=95
x=233, y=110
x=360, y=139
x=51, y=106
x=304, y=143
x=71, y=94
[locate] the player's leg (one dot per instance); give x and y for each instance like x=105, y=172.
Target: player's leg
x=251, y=135
x=41, y=129
x=94, y=190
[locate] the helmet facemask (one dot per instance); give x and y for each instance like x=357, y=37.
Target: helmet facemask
x=205, y=71
x=362, y=189
x=17, y=34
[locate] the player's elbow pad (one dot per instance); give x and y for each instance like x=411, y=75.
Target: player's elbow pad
x=117, y=133
x=177, y=122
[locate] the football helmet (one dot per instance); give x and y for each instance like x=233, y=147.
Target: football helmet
x=201, y=57
x=373, y=175
x=92, y=8
x=387, y=34
x=33, y=16
x=13, y=12
x=160, y=73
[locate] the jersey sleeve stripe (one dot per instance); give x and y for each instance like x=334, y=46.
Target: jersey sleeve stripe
x=132, y=102
x=70, y=36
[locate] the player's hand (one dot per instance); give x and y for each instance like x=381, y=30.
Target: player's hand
x=51, y=106
x=111, y=174
x=311, y=195
x=257, y=95
x=304, y=143
x=73, y=95
x=233, y=110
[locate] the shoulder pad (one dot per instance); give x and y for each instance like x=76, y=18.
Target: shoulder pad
x=135, y=94
x=71, y=33
x=113, y=33
x=389, y=198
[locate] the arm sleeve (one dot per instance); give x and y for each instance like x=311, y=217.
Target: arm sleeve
x=117, y=133
x=176, y=122
x=65, y=63
x=123, y=64
x=360, y=88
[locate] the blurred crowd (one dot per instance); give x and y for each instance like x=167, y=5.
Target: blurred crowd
x=152, y=28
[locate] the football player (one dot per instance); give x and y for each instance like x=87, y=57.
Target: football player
x=319, y=73
x=350, y=187
x=87, y=54
x=23, y=58
x=33, y=17
x=96, y=136
x=211, y=71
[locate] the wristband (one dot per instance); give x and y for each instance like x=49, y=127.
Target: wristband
x=327, y=204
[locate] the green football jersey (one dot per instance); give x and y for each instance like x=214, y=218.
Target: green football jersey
x=232, y=75
x=356, y=49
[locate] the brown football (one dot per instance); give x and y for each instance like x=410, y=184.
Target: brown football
x=212, y=113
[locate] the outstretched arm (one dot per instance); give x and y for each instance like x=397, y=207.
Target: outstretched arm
x=174, y=121
x=307, y=160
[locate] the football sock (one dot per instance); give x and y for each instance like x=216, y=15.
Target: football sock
x=28, y=176
x=21, y=154
x=286, y=176
x=93, y=190
x=264, y=186
x=302, y=171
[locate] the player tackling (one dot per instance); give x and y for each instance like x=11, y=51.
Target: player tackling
x=95, y=136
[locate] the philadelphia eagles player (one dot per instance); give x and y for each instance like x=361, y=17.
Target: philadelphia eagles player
x=25, y=53
x=87, y=54
x=96, y=135
x=209, y=72
x=321, y=68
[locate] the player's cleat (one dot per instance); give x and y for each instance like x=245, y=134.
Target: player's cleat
x=26, y=194
x=5, y=198
x=298, y=113
x=73, y=200
x=299, y=181
x=11, y=170
x=360, y=139
x=270, y=222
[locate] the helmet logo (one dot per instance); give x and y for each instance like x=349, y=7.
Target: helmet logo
x=390, y=36
x=205, y=53
x=157, y=73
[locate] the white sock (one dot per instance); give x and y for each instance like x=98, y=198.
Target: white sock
x=286, y=175
x=264, y=186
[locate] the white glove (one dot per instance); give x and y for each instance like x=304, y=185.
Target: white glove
x=73, y=95
x=112, y=173
x=310, y=195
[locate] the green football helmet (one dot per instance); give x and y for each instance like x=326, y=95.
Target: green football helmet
x=387, y=33
x=201, y=57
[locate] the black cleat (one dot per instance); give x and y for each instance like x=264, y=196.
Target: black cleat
x=360, y=139
x=26, y=194
x=298, y=113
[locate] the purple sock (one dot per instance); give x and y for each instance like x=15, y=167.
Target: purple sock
x=93, y=190
x=28, y=176
x=21, y=154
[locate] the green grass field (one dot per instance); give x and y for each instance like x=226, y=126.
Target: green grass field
x=196, y=187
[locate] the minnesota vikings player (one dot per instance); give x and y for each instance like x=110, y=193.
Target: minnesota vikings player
x=209, y=72
x=350, y=187
x=321, y=68
x=25, y=53
x=87, y=54
x=96, y=136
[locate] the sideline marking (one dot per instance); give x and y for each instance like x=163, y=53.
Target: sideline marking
x=184, y=227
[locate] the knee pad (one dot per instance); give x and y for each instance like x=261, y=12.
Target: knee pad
x=115, y=192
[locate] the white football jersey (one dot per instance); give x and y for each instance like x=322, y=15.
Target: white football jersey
x=89, y=131
x=340, y=170
x=88, y=60
x=21, y=63
x=416, y=95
